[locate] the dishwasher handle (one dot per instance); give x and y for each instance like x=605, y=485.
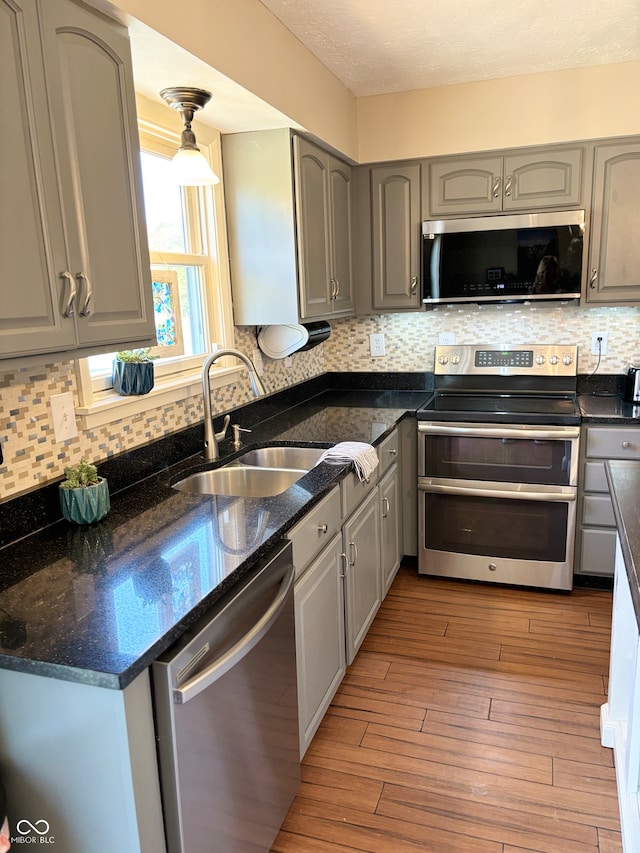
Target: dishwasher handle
x=204, y=679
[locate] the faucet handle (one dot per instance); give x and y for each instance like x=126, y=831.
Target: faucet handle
x=225, y=426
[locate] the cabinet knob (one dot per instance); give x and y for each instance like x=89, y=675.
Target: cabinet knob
x=626, y=444
x=322, y=528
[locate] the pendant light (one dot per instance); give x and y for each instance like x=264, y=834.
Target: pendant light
x=190, y=166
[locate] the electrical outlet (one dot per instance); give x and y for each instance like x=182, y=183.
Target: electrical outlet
x=447, y=338
x=376, y=345
x=64, y=416
x=599, y=343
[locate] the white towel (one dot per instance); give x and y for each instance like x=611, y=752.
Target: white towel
x=363, y=456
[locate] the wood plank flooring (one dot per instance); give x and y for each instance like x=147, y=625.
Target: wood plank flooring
x=468, y=723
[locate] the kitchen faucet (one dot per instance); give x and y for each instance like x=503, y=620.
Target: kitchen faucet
x=211, y=438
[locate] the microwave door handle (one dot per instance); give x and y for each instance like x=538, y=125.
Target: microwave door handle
x=559, y=496
x=499, y=432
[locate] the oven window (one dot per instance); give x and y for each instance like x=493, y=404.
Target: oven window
x=501, y=460
x=496, y=527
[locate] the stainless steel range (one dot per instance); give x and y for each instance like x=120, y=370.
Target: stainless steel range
x=498, y=461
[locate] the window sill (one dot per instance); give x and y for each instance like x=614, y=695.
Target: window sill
x=108, y=407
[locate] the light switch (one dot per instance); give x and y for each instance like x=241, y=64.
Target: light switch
x=64, y=416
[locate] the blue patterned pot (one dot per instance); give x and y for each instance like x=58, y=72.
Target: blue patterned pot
x=87, y=504
x=132, y=377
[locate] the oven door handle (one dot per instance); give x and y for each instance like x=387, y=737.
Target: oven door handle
x=498, y=432
x=559, y=495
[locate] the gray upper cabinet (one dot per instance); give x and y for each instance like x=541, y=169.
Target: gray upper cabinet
x=395, y=234
x=73, y=248
x=529, y=180
x=614, y=254
x=323, y=210
x=289, y=224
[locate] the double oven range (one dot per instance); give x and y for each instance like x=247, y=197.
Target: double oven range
x=497, y=465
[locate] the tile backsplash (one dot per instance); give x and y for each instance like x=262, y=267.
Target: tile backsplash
x=33, y=458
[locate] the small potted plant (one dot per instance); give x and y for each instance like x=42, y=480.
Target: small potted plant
x=133, y=372
x=84, y=496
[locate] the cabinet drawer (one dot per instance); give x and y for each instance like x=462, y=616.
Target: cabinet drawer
x=315, y=530
x=354, y=491
x=598, y=552
x=388, y=451
x=614, y=443
x=597, y=511
x=595, y=478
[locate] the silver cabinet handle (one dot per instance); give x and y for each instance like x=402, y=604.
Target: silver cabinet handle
x=414, y=283
x=393, y=451
x=385, y=504
x=322, y=528
x=496, y=187
x=69, y=307
x=507, y=185
x=345, y=564
x=334, y=288
x=593, y=279
x=353, y=548
x=337, y=281
x=85, y=311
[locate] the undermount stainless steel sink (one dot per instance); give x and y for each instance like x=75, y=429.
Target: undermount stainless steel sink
x=240, y=481
x=257, y=474
x=301, y=458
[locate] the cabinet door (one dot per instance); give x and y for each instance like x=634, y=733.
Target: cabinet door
x=92, y=103
x=361, y=543
x=472, y=185
x=341, y=293
x=551, y=178
x=390, y=539
x=320, y=649
x=614, y=257
x=395, y=223
x=312, y=212
x=32, y=248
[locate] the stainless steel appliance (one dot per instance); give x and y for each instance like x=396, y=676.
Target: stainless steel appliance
x=513, y=258
x=498, y=461
x=632, y=385
x=227, y=719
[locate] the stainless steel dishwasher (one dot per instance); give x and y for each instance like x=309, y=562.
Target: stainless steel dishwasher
x=227, y=719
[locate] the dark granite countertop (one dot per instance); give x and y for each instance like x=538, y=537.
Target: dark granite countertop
x=607, y=408
x=98, y=604
x=624, y=485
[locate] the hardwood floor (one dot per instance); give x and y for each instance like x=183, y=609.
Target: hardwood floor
x=468, y=723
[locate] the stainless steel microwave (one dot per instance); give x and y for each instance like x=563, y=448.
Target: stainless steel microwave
x=503, y=258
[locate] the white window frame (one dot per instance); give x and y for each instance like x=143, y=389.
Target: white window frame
x=178, y=378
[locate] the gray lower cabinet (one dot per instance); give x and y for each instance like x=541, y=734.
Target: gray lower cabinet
x=288, y=206
x=390, y=527
x=395, y=236
x=363, y=594
x=73, y=247
x=83, y=759
x=596, y=527
x=516, y=180
x=320, y=648
x=614, y=253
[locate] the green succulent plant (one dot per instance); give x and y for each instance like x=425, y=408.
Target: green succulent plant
x=136, y=355
x=81, y=475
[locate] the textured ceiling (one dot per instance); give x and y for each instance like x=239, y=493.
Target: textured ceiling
x=380, y=46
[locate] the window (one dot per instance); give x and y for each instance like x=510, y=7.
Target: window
x=191, y=292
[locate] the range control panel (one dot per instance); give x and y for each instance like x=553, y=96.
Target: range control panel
x=507, y=360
